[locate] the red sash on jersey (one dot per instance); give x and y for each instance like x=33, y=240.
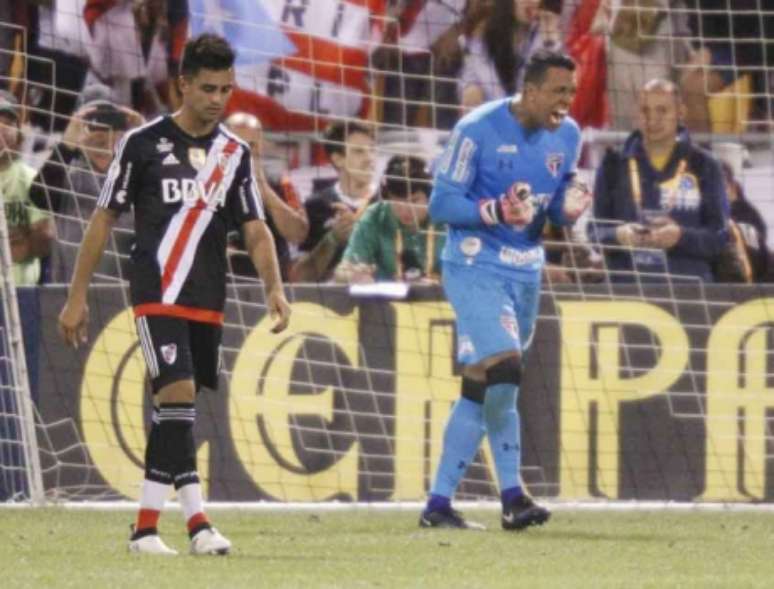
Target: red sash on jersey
x=185, y=231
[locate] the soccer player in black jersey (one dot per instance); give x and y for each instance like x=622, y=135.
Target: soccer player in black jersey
x=189, y=180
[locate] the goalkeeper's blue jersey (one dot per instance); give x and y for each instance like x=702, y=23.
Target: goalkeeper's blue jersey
x=488, y=151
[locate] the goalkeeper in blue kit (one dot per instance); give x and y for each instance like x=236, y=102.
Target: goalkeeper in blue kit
x=509, y=165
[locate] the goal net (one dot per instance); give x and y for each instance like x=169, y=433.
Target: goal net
x=20, y=474
x=655, y=389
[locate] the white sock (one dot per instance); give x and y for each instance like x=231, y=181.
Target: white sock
x=153, y=495
x=190, y=497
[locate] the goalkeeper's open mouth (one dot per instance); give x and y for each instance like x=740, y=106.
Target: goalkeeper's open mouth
x=557, y=116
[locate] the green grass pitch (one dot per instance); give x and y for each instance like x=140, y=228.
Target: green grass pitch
x=87, y=549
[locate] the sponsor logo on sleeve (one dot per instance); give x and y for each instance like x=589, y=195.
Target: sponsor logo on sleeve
x=448, y=153
x=464, y=157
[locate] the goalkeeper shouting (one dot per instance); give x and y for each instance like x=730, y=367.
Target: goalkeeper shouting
x=508, y=166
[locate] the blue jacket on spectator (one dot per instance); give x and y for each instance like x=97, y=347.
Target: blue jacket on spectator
x=689, y=189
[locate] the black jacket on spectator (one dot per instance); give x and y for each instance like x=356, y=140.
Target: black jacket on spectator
x=690, y=190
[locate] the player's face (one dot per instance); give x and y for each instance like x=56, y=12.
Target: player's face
x=358, y=160
x=547, y=104
x=206, y=94
x=659, y=116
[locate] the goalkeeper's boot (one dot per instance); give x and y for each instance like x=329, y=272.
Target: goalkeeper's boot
x=447, y=518
x=149, y=542
x=522, y=513
x=209, y=541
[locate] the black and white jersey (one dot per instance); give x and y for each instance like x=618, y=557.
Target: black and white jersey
x=187, y=193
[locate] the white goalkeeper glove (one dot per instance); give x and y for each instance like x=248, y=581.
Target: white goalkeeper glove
x=516, y=207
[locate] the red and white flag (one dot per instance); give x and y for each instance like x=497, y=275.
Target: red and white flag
x=327, y=75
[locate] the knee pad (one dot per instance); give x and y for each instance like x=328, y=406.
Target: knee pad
x=473, y=390
x=506, y=371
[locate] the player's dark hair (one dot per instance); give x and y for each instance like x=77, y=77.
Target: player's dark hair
x=539, y=64
x=336, y=135
x=206, y=51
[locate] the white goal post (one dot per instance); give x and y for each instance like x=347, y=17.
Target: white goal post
x=20, y=471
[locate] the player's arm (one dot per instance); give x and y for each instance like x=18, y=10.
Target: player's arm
x=456, y=172
x=454, y=175
x=246, y=211
x=73, y=320
x=572, y=196
x=115, y=197
x=571, y=200
x=260, y=247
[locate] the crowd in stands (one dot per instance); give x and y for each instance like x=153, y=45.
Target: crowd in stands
x=435, y=61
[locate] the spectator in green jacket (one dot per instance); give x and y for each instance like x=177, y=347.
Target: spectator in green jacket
x=393, y=239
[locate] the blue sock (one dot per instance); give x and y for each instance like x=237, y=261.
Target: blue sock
x=507, y=496
x=502, y=426
x=438, y=503
x=461, y=440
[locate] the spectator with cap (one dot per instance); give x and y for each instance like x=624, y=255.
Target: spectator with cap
x=286, y=218
x=393, y=239
x=70, y=181
x=30, y=230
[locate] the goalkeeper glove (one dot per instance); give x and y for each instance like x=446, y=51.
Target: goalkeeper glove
x=516, y=207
